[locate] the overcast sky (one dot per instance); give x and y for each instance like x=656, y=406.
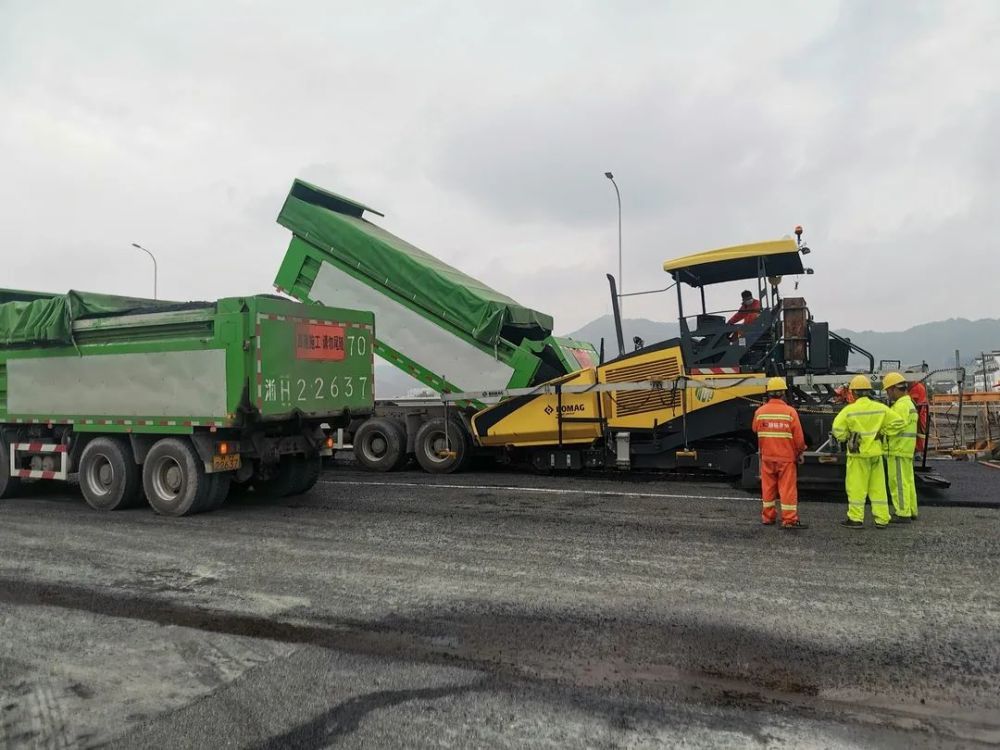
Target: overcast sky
x=482, y=131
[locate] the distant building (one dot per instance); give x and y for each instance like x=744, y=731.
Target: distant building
x=421, y=393
x=985, y=371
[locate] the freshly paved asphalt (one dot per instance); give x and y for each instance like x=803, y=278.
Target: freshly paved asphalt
x=499, y=610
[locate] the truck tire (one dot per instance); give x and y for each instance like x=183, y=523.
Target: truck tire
x=174, y=478
x=295, y=475
x=309, y=469
x=380, y=444
x=220, y=485
x=284, y=479
x=109, y=477
x=430, y=441
x=9, y=486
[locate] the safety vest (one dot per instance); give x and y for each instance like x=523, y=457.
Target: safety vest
x=905, y=443
x=869, y=421
x=779, y=432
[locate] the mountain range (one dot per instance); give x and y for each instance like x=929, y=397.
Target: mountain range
x=934, y=343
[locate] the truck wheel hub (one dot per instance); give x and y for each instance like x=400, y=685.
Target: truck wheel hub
x=375, y=447
x=168, y=479
x=172, y=479
x=439, y=446
x=100, y=475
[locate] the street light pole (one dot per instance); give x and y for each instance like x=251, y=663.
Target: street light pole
x=153, y=257
x=618, y=195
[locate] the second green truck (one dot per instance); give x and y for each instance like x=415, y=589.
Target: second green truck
x=449, y=331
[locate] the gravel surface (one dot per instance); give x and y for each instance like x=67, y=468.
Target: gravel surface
x=497, y=610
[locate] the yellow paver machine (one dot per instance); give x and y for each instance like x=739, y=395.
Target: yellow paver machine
x=688, y=402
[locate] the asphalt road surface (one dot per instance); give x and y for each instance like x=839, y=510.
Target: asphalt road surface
x=497, y=610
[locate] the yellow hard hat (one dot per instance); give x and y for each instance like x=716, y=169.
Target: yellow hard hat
x=860, y=383
x=776, y=384
x=893, y=378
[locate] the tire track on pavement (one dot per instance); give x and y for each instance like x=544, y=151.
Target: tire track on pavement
x=421, y=641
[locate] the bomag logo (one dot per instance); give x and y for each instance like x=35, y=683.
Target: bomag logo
x=566, y=409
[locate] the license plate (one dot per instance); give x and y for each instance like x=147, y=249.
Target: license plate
x=226, y=463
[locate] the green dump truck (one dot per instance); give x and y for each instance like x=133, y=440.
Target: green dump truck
x=449, y=331
x=175, y=401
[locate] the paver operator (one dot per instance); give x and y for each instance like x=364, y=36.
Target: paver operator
x=781, y=444
x=900, y=449
x=749, y=310
x=863, y=424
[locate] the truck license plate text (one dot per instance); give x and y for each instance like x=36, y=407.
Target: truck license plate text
x=226, y=463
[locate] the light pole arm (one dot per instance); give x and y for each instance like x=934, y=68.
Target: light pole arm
x=155, y=269
x=618, y=195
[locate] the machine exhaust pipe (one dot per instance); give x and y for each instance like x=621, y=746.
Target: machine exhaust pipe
x=618, y=316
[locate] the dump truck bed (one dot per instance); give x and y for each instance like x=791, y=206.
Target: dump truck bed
x=116, y=364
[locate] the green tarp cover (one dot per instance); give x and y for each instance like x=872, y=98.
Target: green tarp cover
x=49, y=320
x=335, y=225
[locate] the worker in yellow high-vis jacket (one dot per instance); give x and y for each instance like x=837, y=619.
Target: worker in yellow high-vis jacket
x=863, y=425
x=900, y=449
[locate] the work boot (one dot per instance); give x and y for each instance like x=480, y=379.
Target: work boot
x=795, y=525
x=901, y=519
x=848, y=523
x=881, y=526
x=913, y=518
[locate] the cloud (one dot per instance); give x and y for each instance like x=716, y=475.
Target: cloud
x=872, y=132
x=483, y=134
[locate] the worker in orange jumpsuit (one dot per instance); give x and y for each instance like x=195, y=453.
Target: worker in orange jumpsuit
x=918, y=394
x=749, y=310
x=781, y=444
